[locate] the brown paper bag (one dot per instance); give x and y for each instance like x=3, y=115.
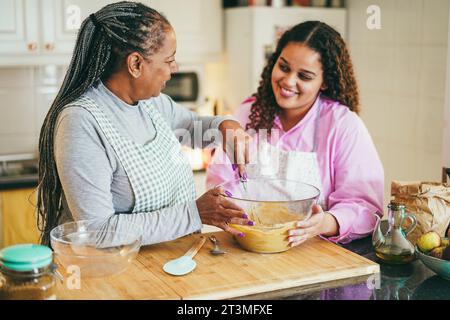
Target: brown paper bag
x=428, y=201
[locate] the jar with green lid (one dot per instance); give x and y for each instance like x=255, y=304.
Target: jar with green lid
x=27, y=273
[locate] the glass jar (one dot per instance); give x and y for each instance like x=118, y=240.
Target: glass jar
x=392, y=246
x=27, y=273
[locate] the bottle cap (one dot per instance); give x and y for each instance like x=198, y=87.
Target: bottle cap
x=394, y=205
x=25, y=257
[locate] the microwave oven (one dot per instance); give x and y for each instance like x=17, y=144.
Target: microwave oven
x=184, y=87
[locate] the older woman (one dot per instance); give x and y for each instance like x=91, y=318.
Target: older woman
x=107, y=147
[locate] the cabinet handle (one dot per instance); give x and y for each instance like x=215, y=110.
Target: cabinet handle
x=32, y=46
x=49, y=46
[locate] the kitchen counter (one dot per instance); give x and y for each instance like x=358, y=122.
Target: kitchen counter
x=403, y=282
x=19, y=182
x=31, y=181
x=18, y=171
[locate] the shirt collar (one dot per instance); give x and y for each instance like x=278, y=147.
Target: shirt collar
x=101, y=87
x=311, y=113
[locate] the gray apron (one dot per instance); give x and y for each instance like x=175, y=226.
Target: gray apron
x=158, y=171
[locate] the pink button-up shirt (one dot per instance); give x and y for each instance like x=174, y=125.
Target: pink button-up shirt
x=351, y=171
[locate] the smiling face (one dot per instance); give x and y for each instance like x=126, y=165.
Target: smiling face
x=297, y=78
x=158, y=68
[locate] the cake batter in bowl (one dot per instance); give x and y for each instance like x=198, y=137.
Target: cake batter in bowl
x=274, y=205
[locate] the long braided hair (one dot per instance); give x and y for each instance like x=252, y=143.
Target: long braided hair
x=337, y=68
x=104, y=40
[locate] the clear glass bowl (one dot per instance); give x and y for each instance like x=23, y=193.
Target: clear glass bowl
x=275, y=205
x=92, y=247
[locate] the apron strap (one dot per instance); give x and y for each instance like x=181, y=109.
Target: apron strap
x=316, y=128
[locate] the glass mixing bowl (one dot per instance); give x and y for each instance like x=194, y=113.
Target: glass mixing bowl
x=275, y=205
x=92, y=247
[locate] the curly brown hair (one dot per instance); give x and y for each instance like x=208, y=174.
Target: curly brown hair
x=338, y=75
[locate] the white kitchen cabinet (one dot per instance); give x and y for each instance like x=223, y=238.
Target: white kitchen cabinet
x=38, y=32
x=61, y=20
x=198, y=26
x=251, y=34
x=18, y=27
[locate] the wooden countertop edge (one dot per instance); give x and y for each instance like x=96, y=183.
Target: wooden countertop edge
x=287, y=284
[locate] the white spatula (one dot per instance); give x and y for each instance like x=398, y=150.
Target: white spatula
x=185, y=263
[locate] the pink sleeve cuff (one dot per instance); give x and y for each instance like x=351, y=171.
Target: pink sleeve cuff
x=346, y=220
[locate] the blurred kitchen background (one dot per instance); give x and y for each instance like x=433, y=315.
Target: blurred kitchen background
x=403, y=70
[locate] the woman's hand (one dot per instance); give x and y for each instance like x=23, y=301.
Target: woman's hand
x=320, y=223
x=216, y=210
x=236, y=143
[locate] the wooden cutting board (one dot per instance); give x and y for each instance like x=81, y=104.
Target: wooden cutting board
x=236, y=274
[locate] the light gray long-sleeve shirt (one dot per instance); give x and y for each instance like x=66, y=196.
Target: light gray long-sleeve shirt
x=95, y=185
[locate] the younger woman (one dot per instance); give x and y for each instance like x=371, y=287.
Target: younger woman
x=308, y=102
